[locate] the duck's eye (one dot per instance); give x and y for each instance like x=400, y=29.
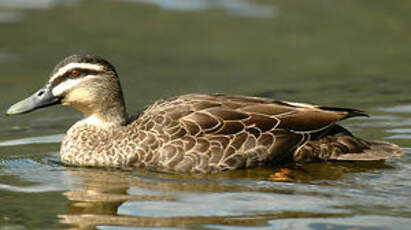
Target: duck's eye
x=75, y=73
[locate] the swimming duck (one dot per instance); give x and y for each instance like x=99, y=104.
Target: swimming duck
x=193, y=132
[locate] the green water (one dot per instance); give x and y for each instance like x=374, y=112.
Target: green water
x=336, y=53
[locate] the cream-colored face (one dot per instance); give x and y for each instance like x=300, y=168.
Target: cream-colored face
x=81, y=97
x=78, y=85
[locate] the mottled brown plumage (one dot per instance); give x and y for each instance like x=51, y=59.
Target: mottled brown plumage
x=209, y=133
x=200, y=133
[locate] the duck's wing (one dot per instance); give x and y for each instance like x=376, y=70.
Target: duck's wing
x=222, y=114
x=219, y=114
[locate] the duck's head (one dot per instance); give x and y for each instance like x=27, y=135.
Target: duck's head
x=86, y=82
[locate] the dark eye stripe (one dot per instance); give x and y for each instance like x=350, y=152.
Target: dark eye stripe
x=67, y=75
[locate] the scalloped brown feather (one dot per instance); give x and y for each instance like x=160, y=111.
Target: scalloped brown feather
x=210, y=133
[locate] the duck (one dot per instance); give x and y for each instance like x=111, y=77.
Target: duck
x=192, y=133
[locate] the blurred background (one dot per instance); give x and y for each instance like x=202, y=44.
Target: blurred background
x=344, y=53
x=321, y=51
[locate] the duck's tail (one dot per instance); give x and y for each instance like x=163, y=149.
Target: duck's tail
x=340, y=145
x=376, y=150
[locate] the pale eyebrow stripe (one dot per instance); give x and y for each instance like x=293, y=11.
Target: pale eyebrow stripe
x=66, y=85
x=70, y=66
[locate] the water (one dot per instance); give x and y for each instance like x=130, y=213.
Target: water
x=239, y=8
x=345, y=53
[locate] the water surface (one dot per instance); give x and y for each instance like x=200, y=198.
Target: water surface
x=336, y=53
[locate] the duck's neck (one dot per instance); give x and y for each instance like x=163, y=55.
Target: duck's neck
x=107, y=111
x=110, y=113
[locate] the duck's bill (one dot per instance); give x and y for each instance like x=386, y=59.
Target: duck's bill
x=40, y=99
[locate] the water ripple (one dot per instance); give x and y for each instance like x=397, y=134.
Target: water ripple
x=239, y=8
x=57, y=138
x=398, y=109
x=9, y=16
x=41, y=177
x=35, y=4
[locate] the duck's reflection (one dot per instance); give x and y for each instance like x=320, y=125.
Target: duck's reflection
x=103, y=192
